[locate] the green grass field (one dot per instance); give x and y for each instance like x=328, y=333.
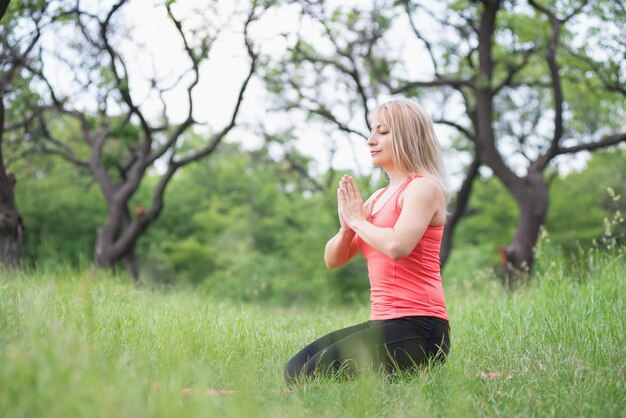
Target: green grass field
x=87, y=344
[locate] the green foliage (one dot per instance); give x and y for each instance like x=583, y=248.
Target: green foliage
x=580, y=202
x=61, y=210
x=489, y=223
x=82, y=343
x=244, y=226
x=579, y=208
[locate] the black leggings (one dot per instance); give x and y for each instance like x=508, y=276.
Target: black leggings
x=391, y=344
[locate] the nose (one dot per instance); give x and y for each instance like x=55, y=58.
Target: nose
x=371, y=140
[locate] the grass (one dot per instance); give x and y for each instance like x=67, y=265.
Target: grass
x=87, y=344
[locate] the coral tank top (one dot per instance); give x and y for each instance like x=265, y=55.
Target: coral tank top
x=409, y=286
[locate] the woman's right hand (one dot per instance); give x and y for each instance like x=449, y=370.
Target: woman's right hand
x=344, y=226
x=350, y=203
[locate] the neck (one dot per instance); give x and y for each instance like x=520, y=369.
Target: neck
x=396, y=177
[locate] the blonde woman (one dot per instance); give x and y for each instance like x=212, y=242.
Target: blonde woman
x=399, y=231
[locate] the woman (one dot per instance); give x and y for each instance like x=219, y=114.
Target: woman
x=399, y=231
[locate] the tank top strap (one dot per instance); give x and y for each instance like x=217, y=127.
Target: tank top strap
x=378, y=196
x=394, y=197
x=404, y=186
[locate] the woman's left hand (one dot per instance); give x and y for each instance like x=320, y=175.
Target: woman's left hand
x=351, y=204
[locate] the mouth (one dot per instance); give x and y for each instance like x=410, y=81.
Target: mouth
x=374, y=152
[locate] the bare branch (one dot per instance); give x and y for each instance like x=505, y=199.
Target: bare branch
x=121, y=81
x=557, y=90
x=195, y=61
x=575, y=11
x=61, y=148
x=460, y=205
x=3, y=8
x=18, y=60
x=604, y=142
x=549, y=13
x=296, y=166
x=437, y=82
x=326, y=114
x=471, y=136
x=217, y=138
x=514, y=70
x=421, y=37
x=608, y=84
x=353, y=73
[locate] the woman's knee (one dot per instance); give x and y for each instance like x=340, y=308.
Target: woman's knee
x=294, y=369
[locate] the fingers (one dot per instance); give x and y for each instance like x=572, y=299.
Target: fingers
x=343, y=197
x=340, y=191
x=346, y=203
x=348, y=184
x=354, y=189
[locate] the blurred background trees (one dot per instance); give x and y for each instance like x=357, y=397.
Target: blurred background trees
x=21, y=31
x=522, y=83
x=100, y=121
x=103, y=168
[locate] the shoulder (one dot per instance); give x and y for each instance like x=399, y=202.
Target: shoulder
x=423, y=191
x=426, y=197
x=424, y=187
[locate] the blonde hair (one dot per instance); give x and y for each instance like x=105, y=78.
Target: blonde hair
x=414, y=145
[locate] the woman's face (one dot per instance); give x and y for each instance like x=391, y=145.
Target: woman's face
x=380, y=144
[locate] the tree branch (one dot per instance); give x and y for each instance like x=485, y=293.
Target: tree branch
x=217, y=138
x=326, y=114
x=421, y=37
x=121, y=81
x=557, y=90
x=62, y=149
x=608, y=85
x=514, y=70
x=437, y=82
x=140, y=223
x=471, y=136
x=461, y=201
x=604, y=142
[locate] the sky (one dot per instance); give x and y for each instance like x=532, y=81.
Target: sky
x=224, y=72
x=154, y=49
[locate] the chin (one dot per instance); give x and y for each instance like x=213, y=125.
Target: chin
x=378, y=163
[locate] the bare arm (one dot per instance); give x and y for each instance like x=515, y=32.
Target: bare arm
x=342, y=247
x=422, y=200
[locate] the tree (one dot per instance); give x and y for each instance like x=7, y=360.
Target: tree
x=514, y=68
x=61, y=209
x=21, y=30
x=4, y=5
x=118, y=141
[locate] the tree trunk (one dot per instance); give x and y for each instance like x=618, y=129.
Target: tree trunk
x=462, y=198
x=107, y=236
x=519, y=254
x=11, y=225
x=131, y=265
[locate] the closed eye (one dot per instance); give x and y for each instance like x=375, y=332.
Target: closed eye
x=380, y=131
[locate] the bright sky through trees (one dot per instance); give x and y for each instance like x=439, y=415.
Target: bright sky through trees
x=156, y=47
x=148, y=36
